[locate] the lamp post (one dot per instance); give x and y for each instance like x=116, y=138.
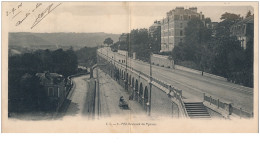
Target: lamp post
x=150, y=95
x=126, y=78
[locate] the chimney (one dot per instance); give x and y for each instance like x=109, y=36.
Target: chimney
x=194, y=9
x=179, y=9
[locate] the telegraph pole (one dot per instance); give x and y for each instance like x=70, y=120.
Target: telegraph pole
x=98, y=94
x=150, y=97
x=126, y=78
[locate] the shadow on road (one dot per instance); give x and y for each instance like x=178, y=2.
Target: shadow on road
x=65, y=110
x=90, y=98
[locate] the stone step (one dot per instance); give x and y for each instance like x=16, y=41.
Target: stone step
x=196, y=110
x=193, y=117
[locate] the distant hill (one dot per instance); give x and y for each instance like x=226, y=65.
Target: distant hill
x=54, y=40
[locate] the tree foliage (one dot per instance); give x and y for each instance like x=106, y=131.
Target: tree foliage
x=108, y=41
x=87, y=56
x=139, y=43
x=197, y=37
x=221, y=55
x=228, y=19
x=248, y=14
x=22, y=82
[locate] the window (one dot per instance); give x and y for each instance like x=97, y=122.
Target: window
x=181, y=33
x=244, y=29
x=50, y=91
x=181, y=40
x=185, y=17
x=176, y=17
x=180, y=25
x=58, y=92
x=242, y=43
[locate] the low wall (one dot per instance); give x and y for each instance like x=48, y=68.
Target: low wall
x=161, y=104
x=122, y=52
x=161, y=97
x=222, y=107
x=178, y=67
x=161, y=60
x=214, y=76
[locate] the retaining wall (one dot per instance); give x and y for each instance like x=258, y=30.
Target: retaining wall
x=164, y=61
x=178, y=67
x=161, y=60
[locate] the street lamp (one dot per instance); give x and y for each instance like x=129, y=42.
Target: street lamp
x=126, y=79
x=150, y=97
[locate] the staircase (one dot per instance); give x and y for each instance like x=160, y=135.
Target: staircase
x=196, y=110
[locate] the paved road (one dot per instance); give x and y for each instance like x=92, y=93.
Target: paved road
x=110, y=92
x=194, y=85
x=79, y=103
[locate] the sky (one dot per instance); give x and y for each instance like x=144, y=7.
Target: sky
x=108, y=17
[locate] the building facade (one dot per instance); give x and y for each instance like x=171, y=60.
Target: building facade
x=173, y=26
x=244, y=30
x=55, y=88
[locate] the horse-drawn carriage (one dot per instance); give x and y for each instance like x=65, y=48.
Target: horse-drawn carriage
x=122, y=103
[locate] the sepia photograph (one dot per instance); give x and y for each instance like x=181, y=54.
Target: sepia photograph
x=130, y=67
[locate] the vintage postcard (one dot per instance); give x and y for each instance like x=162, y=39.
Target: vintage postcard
x=130, y=67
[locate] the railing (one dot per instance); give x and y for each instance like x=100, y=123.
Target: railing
x=219, y=104
x=242, y=113
x=227, y=107
x=177, y=94
x=160, y=83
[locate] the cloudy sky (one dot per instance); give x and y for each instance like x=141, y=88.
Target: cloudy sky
x=117, y=17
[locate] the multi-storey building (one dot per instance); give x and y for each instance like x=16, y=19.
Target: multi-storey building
x=244, y=30
x=154, y=30
x=173, y=26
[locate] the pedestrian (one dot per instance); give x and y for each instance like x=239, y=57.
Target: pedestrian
x=121, y=99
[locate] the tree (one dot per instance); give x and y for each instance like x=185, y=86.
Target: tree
x=228, y=56
x=197, y=35
x=249, y=64
x=32, y=92
x=124, y=44
x=22, y=82
x=155, y=40
x=178, y=54
x=139, y=43
x=248, y=14
x=108, y=41
x=228, y=19
x=87, y=56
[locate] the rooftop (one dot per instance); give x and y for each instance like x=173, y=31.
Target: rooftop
x=249, y=19
x=181, y=10
x=47, y=75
